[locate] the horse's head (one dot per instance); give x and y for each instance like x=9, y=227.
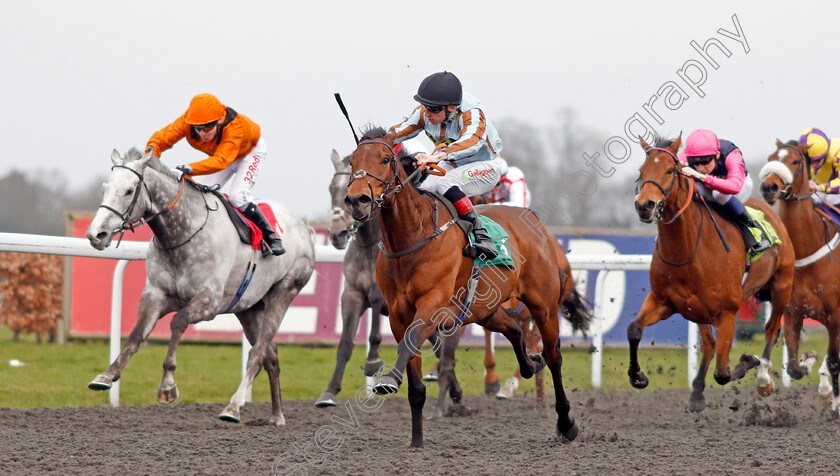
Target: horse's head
x=375, y=174
x=657, y=177
x=341, y=223
x=786, y=172
x=124, y=199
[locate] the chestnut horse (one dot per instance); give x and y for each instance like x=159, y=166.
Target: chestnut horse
x=785, y=177
x=692, y=274
x=424, y=285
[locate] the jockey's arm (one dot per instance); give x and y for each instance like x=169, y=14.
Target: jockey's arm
x=410, y=127
x=735, y=175
x=165, y=138
x=472, y=132
x=516, y=195
x=225, y=153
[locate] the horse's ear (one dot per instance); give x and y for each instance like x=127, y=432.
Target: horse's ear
x=115, y=157
x=336, y=159
x=803, y=148
x=778, y=143
x=644, y=144
x=675, y=146
x=145, y=159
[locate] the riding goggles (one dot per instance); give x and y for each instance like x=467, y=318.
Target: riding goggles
x=205, y=127
x=434, y=109
x=703, y=160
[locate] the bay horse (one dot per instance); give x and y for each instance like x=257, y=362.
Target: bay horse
x=197, y=267
x=692, y=274
x=361, y=293
x=785, y=177
x=426, y=276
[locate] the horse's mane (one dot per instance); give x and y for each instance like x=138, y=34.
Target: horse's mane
x=661, y=142
x=134, y=154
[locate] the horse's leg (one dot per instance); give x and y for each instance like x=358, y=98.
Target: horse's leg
x=416, y=400
x=374, y=361
x=780, y=291
x=652, y=312
x=533, y=338
x=267, y=315
x=832, y=359
x=503, y=323
x=446, y=373
x=153, y=306
x=549, y=325
x=491, y=379
x=352, y=306
x=437, y=344
x=198, y=309
x=697, y=401
x=725, y=332
x=793, y=329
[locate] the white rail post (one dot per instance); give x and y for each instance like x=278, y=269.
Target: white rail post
x=691, y=349
x=598, y=331
x=116, y=324
x=246, y=348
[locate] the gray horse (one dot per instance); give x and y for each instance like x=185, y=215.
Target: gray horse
x=197, y=267
x=361, y=292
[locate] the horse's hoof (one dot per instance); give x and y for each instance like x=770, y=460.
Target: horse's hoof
x=372, y=367
x=509, y=389
x=492, y=388
x=571, y=433
x=101, y=382
x=386, y=385
x=168, y=395
x=695, y=406
x=826, y=399
x=230, y=414
x=537, y=361
x=765, y=391
x=750, y=361
x=279, y=420
x=431, y=376
x=326, y=399
x=640, y=380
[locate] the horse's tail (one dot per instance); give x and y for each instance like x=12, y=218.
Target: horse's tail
x=575, y=307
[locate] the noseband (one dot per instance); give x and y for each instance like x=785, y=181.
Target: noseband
x=787, y=193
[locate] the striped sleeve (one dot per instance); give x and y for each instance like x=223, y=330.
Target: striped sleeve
x=473, y=125
x=410, y=126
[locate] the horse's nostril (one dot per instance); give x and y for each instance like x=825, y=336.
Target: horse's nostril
x=101, y=236
x=364, y=200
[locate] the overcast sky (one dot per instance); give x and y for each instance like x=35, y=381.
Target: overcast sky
x=81, y=78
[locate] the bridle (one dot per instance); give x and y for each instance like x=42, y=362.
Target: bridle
x=125, y=216
x=339, y=213
x=660, y=204
x=787, y=194
x=392, y=186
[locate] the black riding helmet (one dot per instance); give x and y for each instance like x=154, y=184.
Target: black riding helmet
x=439, y=89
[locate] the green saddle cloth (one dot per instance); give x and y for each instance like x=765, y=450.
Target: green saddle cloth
x=758, y=216
x=499, y=237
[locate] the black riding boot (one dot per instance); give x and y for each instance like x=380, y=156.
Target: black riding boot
x=745, y=220
x=275, y=245
x=483, y=244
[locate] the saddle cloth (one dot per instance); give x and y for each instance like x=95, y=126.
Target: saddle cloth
x=249, y=233
x=758, y=216
x=499, y=237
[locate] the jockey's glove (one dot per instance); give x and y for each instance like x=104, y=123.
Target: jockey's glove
x=184, y=169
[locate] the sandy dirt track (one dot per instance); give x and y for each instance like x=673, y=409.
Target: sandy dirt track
x=623, y=432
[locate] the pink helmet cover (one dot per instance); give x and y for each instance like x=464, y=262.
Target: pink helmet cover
x=701, y=142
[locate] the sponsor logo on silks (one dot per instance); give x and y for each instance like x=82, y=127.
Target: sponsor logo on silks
x=473, y=174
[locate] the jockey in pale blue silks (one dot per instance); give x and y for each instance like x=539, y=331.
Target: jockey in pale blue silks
x=721, y=176
x=468, y=148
